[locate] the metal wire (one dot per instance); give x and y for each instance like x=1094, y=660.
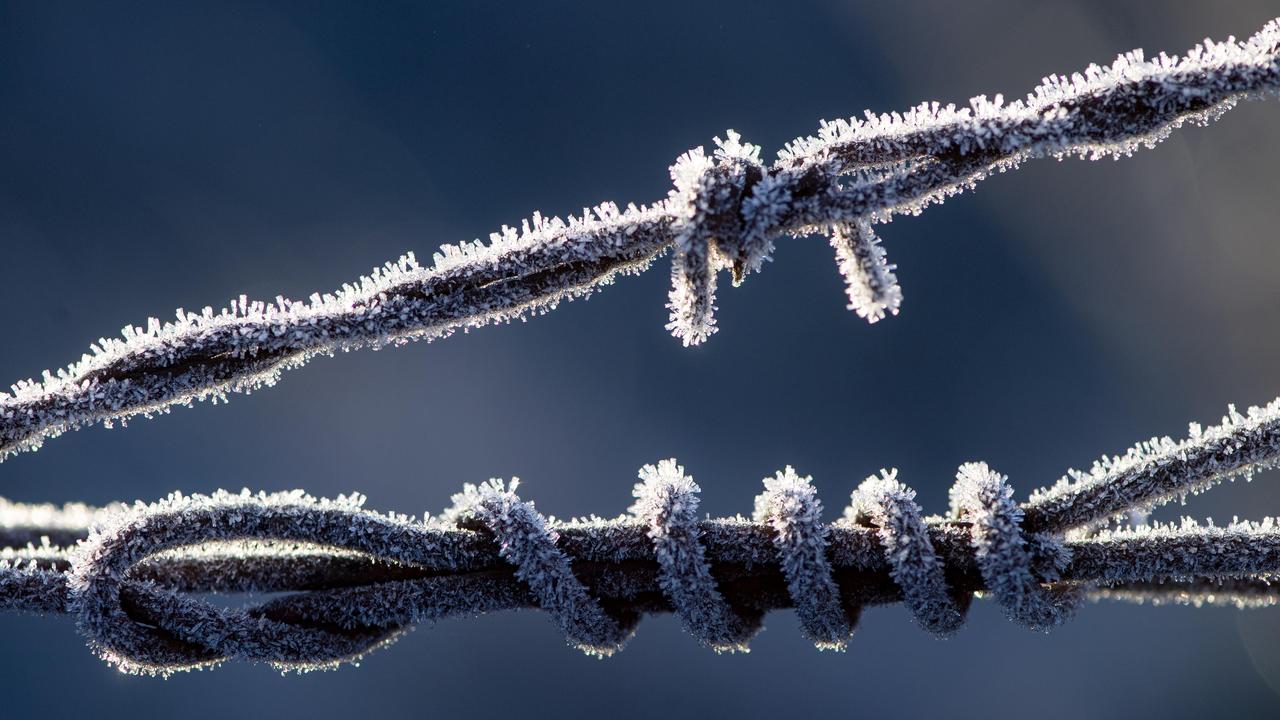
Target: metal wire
x=357, y=579
x=724, y=213
x=354, y=579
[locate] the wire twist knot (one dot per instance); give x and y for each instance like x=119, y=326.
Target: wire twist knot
x=716, y=228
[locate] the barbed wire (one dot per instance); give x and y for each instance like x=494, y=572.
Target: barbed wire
x=354, y=580
x=725, y=211
x=357, y=579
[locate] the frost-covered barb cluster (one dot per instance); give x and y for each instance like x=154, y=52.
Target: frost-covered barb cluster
x=724, y=212
x=347, y=580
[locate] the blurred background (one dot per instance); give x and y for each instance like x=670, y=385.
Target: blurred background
x=155, y=156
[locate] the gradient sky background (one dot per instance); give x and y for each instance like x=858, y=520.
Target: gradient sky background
x=175, y=155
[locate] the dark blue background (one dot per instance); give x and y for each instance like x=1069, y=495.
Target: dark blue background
x=164, y=155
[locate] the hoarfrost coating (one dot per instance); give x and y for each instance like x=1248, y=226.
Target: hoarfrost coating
x=724, y=212
x=358, y=579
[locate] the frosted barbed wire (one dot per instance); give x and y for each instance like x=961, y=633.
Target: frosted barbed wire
x=1159, y=471
x=724, y=213
x=1105, y=111
x=358, y=579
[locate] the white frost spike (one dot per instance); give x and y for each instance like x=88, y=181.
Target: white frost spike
x=734, y=150
x=869, y=280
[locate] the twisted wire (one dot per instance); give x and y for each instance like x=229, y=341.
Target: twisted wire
x=667, y=502
x=356, y=579
x=724, y=213
x=886, y=505
x=524, y=541
x=984, y=499
x=790, y=507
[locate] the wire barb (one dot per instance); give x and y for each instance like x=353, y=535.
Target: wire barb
x=725, y=212
x=871, y=285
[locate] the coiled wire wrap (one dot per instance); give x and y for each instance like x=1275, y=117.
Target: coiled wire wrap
x=359, y=579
